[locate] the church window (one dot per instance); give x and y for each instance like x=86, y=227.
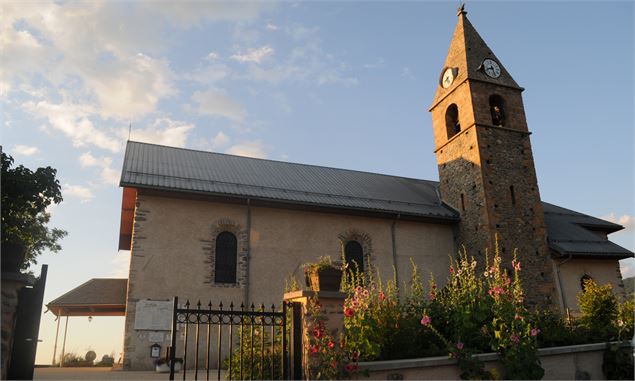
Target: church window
x=226, y=256
x=354, y=256
x=462, y=202
x=452, y=120
x=497, y=109
x=512, y=194
x=583, y=281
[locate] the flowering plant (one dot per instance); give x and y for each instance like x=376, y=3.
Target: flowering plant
x=328, y=355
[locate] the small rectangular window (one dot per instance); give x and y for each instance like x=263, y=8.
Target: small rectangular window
x=512, y=194
x=462, y=202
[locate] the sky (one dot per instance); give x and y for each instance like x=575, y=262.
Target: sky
x=341, y=84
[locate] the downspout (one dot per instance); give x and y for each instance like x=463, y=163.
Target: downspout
x=394, y=249
x=562, y=297
x=248, y=251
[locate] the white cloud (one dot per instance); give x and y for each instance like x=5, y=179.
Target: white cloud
x=108, y=175
x=73, y=121
x=77, y=191
x=271, y=26
x=121, y=265
x=220, y=140
x=254, y=55
x=217, y=103
x=254, y=148
x=23, y=150
x=625, y=220
x=212, y=56
x=407, y=73
x=164, y=131
x=188, y=14
x=379, y=63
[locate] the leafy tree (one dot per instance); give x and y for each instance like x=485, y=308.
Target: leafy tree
x=25, y=197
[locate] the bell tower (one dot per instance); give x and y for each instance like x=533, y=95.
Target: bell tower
x=486, y=167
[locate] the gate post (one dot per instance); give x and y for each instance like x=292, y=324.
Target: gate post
x=332, y=307
x=172, y=352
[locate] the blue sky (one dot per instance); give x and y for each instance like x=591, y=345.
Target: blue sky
x=343, y=84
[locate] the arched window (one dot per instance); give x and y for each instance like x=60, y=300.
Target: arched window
x=585, y=278
x=354, y=256
x=225, y=263
x=497, y=109
x=452, y=120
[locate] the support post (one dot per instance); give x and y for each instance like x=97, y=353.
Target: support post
x=57, y=331
x=296, y=341
x=64, y=343
x=172, y=353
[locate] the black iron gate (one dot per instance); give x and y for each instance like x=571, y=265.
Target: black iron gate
x=246, y=342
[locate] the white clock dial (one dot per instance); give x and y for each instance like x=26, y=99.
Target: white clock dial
x=447, y=78
x=491, y=68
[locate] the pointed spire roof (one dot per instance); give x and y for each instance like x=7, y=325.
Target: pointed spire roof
x=466, y=54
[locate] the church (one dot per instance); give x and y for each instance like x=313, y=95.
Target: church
x=211, y=226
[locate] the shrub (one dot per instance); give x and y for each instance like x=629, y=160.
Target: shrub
x=599, y=308
x=252, y=359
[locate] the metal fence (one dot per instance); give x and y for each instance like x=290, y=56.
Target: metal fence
x=246, y=342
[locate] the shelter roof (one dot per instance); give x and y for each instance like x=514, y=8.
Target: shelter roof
x=97, y=297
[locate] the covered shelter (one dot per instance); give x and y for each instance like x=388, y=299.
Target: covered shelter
x=97, y=297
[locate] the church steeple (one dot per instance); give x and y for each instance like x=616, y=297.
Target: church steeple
x=465, y=57
x=486, y=167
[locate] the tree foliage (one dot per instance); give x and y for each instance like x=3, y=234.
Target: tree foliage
x=25, y=198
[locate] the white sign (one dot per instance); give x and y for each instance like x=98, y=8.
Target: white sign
x=154, y=315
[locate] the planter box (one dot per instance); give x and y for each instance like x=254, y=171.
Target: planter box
x=560, y=363
x=326, y=279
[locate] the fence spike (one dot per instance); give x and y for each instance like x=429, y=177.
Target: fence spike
x=252, y=306
x=198, y=305
x=262, y=307
x=231, y=306
x=221, y=305
x=209, y=305
x=242, y=306
x=187, y=303
x=273, y=307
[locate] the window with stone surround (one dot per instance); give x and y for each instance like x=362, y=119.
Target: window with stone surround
x=452, y=120
x=354, y=256
x=226, y=254
x=226, y=257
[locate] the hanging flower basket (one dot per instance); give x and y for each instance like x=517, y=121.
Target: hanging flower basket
x=323, y=275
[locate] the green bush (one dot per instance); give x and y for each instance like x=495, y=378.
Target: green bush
x=598, y=305
x=253, y=362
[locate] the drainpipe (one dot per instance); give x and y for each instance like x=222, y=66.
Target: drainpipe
x=246, y=296
x=562, y=297
x=394, y=249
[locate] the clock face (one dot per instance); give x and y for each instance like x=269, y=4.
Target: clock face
x=447, y=78
x=491, y=68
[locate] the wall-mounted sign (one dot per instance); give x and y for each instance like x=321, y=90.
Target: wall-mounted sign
x=155, y=351
x=154, y=315
x=156, y=337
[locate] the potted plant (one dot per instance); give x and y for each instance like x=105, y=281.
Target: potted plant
x=324, y=275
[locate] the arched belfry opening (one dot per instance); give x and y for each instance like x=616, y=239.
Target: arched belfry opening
x=497, y=109
x=452, y=120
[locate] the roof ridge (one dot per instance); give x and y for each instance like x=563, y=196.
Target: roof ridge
x=284, y=162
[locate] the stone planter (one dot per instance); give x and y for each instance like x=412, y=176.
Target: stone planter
x=13, y=254
x=325, y=279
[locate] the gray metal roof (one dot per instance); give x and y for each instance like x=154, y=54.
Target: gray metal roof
x=168, y=168
x=572, y=233
x=110, y=291
x=176, y=169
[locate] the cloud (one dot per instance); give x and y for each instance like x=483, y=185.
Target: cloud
x=188, y=14
x=379, y=63
x=625, y=220
x=164, y=131
x=271, y=26
x=73, y=121
x=77, y=191
x=407, y=73
x=217, y=103
x=212, y=56
x=108, y=174
x=254, y=148
x=121, y=265
x=23, y=150
x=220, y=140
x=254, y=55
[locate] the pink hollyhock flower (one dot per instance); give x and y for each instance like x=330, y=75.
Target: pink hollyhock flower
x=314, y=349
x=331, y=344
x=382, y=296
x=516, y=265
x=451, y=270
x=459, y=345
x=358, y=289
x=535, y=331
x=334, y=364
x=515, y=339
x=348, y=312
x=317, y=333
x=426, y=320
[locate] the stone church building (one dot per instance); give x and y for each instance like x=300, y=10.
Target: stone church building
x=210, y=226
